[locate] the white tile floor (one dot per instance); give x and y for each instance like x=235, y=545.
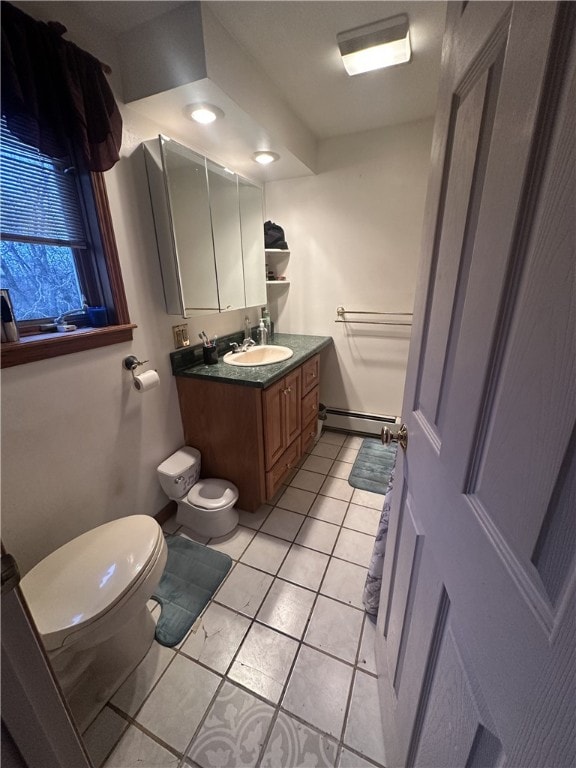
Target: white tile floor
x=279, y=670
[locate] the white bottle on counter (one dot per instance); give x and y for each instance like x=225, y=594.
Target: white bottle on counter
x=262, y=333
x=268, y=324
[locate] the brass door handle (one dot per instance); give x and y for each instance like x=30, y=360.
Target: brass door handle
x=400, y=437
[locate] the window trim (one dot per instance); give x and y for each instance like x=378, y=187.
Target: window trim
x=37, y=347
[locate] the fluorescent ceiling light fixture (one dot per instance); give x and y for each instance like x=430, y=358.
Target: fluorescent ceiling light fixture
x=373, y=46
x=264, y=157
x=204, y=113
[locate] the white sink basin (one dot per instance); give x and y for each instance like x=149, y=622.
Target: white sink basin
x=263, y=355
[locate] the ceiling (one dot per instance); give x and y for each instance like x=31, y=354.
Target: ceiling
x=294, y=43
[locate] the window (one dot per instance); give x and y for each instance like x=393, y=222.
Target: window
x=57, y=251
x=43, y=232
x=61, y=130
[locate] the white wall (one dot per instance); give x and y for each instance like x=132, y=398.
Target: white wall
x=354, y=236
x=79, y=445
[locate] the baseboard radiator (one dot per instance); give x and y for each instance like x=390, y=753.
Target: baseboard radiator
x=353, y=421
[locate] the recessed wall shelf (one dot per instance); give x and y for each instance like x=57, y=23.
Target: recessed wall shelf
x=275, y=253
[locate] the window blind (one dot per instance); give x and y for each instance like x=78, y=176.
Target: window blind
x=40, y=199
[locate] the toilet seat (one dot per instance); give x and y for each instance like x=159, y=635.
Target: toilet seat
x=212, y=494
x=116, y=556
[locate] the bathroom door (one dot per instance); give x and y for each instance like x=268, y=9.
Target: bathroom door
x=475, y=644
x=33, y=709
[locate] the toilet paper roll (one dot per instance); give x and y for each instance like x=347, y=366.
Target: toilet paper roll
x=145, y=381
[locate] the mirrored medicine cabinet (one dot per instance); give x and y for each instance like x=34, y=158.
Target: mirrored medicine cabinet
x=209, y=230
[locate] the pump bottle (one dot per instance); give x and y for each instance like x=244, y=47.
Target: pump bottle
x=262, y=333
x=267, y=323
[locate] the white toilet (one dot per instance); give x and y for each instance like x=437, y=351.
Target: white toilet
x=89, y=603
x=205, y=506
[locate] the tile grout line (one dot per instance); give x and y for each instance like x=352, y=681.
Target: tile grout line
x=154, y=737
x=183, y=757
x=300, y=643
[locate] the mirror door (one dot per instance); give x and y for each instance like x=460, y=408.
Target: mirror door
x=187, y=186
x=251, y=204
x=225, y=214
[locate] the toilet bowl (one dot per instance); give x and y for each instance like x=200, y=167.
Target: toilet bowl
x=89, y=603
x=205, y=506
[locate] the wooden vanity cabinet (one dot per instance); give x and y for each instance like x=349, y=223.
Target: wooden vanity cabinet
x=251, y=436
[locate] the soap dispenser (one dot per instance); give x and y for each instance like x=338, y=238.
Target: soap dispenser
x=262, y=333
x=267, y=323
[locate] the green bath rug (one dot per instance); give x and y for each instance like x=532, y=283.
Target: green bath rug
x=373, y=466
x=192, y=574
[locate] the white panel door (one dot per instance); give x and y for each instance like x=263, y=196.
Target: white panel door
x=475, y=643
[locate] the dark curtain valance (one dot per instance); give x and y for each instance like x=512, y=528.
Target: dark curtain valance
x=53, y=91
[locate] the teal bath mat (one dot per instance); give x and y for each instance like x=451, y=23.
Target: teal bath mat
x=373, y=466
x=192, y=574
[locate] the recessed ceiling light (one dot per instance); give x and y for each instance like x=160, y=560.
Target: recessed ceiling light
x=264, y=157
x=377, y=45
x=203, y=113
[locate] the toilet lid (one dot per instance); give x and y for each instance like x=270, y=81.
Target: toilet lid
x=88, y=575
x=213, y=493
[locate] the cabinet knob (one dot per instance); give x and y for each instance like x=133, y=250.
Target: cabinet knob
x=287, y=390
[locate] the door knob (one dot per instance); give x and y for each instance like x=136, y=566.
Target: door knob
x=401, y=436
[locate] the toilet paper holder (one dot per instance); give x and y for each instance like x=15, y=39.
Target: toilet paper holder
x=141, y=382
x=131, y=363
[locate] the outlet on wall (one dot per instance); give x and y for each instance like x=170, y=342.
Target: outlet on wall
x=181, y=337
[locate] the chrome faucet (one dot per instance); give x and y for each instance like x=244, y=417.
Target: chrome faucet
x=246, y=344
x=61, y=318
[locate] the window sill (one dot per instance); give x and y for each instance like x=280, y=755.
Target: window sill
x=41, y=346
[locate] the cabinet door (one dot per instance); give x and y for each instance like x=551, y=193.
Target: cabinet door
x=273, y=400
x=251, y=218
x=292, y=406
x=310, y=374
x=225, y=214
x=179, y=192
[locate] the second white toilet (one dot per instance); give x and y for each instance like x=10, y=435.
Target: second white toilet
x=205, y=506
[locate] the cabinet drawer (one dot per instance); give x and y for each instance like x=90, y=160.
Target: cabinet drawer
x=310, y=374
x=310, y=403
x=308, y=436
x=285, y=463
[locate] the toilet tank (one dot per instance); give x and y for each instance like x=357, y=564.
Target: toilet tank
x=179, y=472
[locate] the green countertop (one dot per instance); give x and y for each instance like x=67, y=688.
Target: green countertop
x=261, y=375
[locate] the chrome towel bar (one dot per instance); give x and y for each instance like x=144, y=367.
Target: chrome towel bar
x=341, y=312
